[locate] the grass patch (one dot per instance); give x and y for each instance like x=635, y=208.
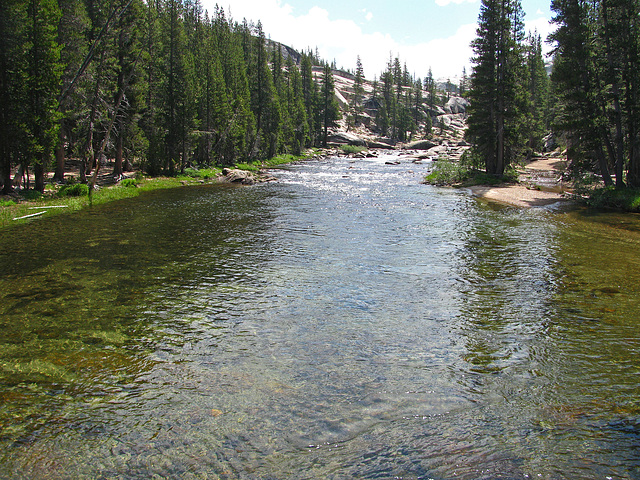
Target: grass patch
x=351, y=149
x=627, y=199
x=249, y=167
x=202, y=173
x=283, y=159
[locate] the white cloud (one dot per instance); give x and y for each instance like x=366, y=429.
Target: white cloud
x=368, y=16
x=544, y=28
x=343, y=40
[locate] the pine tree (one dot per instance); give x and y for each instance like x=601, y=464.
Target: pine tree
x=330, y=109
x=12, y=19
x=42, y=85
x=128, y=93
x=264, y=100
x=538, y=87
x=497, y=95
x=577, y=76
x=358, y=93
x=311, y=99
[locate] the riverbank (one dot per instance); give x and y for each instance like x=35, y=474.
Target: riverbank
x=539, y=184
x=20, y=208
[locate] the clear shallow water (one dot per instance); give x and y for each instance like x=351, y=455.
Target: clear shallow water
x=345, y=322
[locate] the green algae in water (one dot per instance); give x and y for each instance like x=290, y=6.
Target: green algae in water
x=287, y=332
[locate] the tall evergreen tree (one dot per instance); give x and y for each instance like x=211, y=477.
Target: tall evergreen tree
x=357, y=106
x=538, y=87
x=330, y=109
x=12, y=19
x=497, y=95
x=42, y=82
x=577, y=76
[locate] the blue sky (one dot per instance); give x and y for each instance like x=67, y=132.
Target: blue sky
x=424, y=33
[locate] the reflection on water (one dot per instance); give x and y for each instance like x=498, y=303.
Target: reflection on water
x=345, y=322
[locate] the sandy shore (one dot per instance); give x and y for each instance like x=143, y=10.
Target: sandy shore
x=537, y=179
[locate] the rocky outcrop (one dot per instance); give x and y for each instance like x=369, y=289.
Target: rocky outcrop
x=456, y=105
x=454, y=120
x=345, y=138
x=244, y=177
x=381, y=144
x=420, y=145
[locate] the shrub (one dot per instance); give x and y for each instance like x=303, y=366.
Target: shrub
x=348, y=149
x=31, y=194
x=448, y=172
x=74, y=190
x=627, y=199
x=7, y=203
x=129, y=182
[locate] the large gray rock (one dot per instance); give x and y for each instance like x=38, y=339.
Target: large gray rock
x=420, y=145
x=450, y=120
x=238, y=176
x=436, y=151
x=549, y=143
x=456, y=105
x=345, y=138
x=381, y=144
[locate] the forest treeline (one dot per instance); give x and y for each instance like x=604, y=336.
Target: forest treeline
x=161, y=82
x=166, y=84
x=594, y=98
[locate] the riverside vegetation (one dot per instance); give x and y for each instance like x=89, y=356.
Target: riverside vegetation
x=168, y=89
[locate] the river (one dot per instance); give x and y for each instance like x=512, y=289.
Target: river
x=343, y=322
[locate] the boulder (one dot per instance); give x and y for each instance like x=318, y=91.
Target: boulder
x=420, y=145
x=238, y=176
x=345, y=138
x=457, y=105
x=549, y=143
x=381, y=144
x=436, y=151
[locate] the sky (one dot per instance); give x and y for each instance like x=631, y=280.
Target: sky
x=423, y=33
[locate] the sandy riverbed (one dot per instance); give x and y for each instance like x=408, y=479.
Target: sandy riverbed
x=523, y=195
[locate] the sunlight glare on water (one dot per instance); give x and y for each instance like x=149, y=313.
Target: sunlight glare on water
x=344, y=322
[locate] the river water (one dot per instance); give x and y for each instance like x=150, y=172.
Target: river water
x=344, y=322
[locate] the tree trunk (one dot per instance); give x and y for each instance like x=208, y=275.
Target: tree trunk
x=59, y=174
x=117, y=167
x=39, y=173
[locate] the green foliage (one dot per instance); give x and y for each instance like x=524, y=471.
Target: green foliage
x=449, y=173
x=249, y=167
x=499, y=101
x=7, y=203
x=351, y=149
x=329, y=108
x=627, y=199
x=597, y=81
x=31, y=194
x=129, y=182
x=74, y=190
x=204, y=173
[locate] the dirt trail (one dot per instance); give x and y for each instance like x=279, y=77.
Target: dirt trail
x=540, y=184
